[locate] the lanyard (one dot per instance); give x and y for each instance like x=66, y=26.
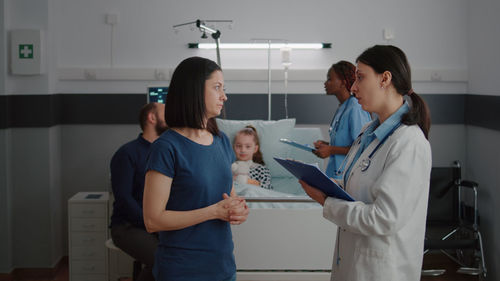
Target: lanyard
x=341, y=169
x=384, y=139
x=335, y=122
x=365, y=164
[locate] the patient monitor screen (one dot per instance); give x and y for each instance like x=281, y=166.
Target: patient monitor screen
x=157, y=94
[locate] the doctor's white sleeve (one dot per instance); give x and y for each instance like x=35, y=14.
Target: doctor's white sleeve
x=397, y=192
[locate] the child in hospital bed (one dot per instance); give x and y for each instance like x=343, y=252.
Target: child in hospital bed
x=249, y=167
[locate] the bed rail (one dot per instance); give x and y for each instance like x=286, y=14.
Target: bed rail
x=297, y=199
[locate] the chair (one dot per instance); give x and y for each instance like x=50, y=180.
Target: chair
x=137, y=267
x=453, y=221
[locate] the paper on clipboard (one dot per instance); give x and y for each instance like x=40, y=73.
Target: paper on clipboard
x=313, y=176
x=305, y=147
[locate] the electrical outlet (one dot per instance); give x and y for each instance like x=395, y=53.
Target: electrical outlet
x=111, y=18
x=89, y=74
x=388, y=34
x=160, y=75
x=436, y=76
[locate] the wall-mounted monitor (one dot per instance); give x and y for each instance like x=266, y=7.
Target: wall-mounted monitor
x=157, y=94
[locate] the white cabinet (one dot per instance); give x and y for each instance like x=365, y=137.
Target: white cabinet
x=88, y=231
x=120, y=264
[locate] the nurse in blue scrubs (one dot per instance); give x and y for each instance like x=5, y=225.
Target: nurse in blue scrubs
x=347, y=121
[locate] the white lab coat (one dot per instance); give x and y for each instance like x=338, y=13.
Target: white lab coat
x=381, y=236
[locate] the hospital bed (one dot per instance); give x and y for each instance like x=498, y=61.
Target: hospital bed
x=285, y=236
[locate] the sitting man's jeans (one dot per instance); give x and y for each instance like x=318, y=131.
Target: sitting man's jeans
x=139, y=244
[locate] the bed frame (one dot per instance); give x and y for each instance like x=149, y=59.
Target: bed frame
x=284, y=244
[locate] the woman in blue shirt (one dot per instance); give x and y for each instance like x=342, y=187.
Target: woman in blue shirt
x=189, y=178
x=347, y=120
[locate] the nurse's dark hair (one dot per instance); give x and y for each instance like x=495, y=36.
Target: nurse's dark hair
x=185, y=102
x=345, y=71
x=250, y=130
x=390, y=58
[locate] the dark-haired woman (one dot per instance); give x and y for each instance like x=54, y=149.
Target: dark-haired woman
x=387, y=170
x=189, y=178
x=347, y=120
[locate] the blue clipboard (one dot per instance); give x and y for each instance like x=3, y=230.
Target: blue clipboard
x=314, y=177
x=305, y=147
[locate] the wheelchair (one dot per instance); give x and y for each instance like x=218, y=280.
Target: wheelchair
x=452, y=226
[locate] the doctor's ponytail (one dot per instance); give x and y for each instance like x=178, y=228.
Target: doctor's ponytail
x=390, y=58
x=418, y=114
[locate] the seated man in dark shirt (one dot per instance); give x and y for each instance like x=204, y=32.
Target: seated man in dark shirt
x=127, y=180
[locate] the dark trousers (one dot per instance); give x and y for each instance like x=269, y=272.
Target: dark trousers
x=139, y=244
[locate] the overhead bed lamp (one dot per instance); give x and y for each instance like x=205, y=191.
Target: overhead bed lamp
x=200, y=24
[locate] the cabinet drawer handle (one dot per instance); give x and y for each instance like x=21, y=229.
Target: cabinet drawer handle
x=89, y=267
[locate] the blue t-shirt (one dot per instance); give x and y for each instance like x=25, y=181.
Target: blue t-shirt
x=346, y=125
x=201, y=174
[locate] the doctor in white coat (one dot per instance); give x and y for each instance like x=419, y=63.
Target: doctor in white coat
x=387, y=170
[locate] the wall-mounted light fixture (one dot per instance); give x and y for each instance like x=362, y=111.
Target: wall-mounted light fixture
x=261, y=46
x=268, y=45
x=278, y=44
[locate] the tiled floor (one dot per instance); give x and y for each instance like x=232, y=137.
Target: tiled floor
x=440, y=261
x=431, y=261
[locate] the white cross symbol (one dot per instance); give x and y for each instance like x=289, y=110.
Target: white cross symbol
x=26, y=51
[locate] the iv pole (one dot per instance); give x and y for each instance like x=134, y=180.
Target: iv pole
x=269, y=80
x=269, y=41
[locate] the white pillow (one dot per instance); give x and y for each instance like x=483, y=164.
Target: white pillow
x=270, y=133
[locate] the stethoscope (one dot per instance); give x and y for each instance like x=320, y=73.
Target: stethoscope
x=365, y=163
x=336, y=121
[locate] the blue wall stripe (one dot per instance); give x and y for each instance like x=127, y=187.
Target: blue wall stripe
x=483, y=111
x=50, y=110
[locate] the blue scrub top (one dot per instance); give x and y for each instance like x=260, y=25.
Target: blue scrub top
x=346, y=125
